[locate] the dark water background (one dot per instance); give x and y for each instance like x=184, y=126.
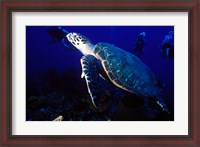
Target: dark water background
x=53, y=72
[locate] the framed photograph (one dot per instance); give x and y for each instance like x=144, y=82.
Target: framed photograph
x=100, y=73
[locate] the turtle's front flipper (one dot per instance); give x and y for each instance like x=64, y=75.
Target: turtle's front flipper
x=90, y=71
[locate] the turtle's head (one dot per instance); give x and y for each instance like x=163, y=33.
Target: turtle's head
x=80, y=42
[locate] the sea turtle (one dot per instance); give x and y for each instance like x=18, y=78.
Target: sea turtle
x=120, y=67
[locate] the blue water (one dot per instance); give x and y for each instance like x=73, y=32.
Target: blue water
x=42, y=56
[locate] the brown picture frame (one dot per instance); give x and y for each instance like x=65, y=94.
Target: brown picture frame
x=9, y=6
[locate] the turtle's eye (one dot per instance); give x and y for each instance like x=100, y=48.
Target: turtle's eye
x=83, y=40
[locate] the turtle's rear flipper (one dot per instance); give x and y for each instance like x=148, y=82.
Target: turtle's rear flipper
x=90, y=71
x=162, y=104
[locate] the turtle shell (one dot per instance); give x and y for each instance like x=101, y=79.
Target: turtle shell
x=127, y=71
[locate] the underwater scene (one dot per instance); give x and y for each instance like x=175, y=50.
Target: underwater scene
x=99, y=73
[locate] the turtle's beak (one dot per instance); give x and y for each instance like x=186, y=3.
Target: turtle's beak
x=69, y=36
x=72, y=37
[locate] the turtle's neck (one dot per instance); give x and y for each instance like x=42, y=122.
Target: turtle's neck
x=87, y=49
